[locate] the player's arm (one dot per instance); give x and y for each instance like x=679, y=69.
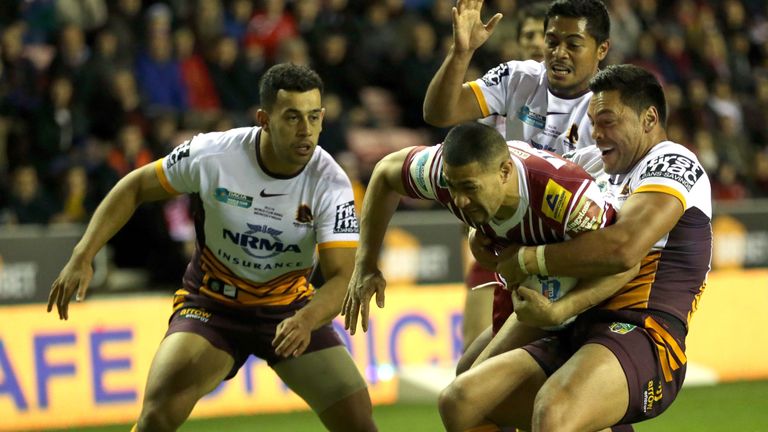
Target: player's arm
x=448, y=100
x=293, y=335
x=644, y=219
x=111, y=215
x=534, y=309
x=381, y=199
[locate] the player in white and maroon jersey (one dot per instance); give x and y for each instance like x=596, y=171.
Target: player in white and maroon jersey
x=266, y=199
x=624, y=360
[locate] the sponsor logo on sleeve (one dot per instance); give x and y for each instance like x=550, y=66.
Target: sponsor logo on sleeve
x=232, y=198
x=179, y=153
x=346, y=219
x=675, y=167
x=556, y=200
x=587, y=216
x=493, y=77
x=420, y=171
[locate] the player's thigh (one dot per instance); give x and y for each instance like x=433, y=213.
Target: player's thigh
x=186, y=365
x=473, y=350
x=478, y=311
x=590, y=390
x=502, y=388
x=323, y=378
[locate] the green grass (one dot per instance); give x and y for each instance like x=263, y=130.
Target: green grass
x=739, y=406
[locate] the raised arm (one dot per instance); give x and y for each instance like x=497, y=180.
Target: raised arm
x=112, y=214
x=381, y=199
x=448, y=101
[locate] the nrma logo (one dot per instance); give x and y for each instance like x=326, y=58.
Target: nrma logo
x=260, y=241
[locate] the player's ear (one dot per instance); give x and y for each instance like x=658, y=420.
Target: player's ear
x=506, y=170
x=650, y=119
x=263, y=119
x=602, y=49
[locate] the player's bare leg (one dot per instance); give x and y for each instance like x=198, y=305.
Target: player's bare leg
x=589, y=392
x=328, y=380
x=476, y=394
x=474, y=350
x=186, y=367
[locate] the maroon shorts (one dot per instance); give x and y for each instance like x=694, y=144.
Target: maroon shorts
x=649, y=345
x=242, y=332
x=478, y=275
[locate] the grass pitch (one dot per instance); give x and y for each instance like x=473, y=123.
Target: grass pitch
x=738, y=406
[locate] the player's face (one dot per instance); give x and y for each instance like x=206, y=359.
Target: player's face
x=294, y=124
x=572, y=55
x=617, y=130
x=475, y=189
x=531, y=39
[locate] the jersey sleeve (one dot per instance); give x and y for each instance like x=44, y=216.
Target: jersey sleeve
x=421, y=172
x=493, y=88
x=590, y=211
x=179, y=171
x=672, y=173
x=336, y=222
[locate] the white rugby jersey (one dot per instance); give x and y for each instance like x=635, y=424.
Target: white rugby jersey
x=673, y=274
x=256, y=231
x=519, y=91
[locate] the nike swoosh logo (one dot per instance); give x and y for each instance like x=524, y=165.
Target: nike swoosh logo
x=268, y=195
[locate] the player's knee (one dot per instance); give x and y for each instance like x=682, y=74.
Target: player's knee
x=162, y=416
x=550, y=411
x=452, y=399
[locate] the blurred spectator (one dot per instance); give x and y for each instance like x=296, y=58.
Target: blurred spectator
x=340, y=73
x=71, y=59
x=236, y=18
x=726, y=185
x=198, y=85
x=208, y=21
x=76, y=204
x=237, y=88
x=86, y=14
x=125, y=22
x=120, y=103
x=756, y=111
x=269, y=25
x=29, y=202
x=334, y=136
x=130, y=152
x=418, y=68
x=159, y=76
x=293, y=50
x=60, y=125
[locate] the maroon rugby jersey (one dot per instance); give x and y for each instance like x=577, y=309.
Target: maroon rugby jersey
x=558, y=200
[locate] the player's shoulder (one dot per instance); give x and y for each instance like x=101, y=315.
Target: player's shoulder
x=515, y=71
x=671, y=161
x=325, y=170
x=219, y=142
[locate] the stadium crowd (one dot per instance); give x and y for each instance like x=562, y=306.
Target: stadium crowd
x=91, y=89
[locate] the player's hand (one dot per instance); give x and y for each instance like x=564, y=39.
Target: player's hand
x=469, y=32
x=482, y=249
x=74, y=277
x=362, y=286
x=534, y=309
x=292, y=336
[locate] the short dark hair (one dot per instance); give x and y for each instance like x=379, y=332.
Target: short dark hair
x=289, y=77
x=638, y=88
x=534, y=11
x=473, y=142
x=598, y=20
